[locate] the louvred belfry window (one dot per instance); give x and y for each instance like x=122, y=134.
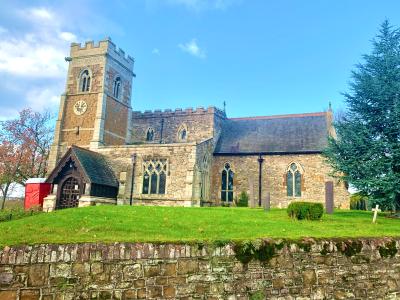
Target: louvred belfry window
x=154, y=176
x=85, y=81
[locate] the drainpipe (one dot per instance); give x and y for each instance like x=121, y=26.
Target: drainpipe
x=260, y=161
x=133, y=157
x=162, y=129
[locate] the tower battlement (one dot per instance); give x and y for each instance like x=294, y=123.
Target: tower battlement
x=103, y=47
x=178, y=112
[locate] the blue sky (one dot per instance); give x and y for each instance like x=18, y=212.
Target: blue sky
x=261, y=57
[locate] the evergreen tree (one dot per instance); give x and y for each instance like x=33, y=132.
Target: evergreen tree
x=366, y=152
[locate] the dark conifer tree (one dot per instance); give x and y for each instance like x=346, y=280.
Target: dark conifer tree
x=366, y=152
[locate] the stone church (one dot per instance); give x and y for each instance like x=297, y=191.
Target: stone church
x=106, y=153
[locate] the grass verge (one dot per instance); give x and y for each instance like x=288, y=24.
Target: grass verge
x=178, y=224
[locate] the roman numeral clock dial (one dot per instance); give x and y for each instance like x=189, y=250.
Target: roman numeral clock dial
x=80, y=107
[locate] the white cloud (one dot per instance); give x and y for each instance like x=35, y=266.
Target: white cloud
x=32, y=55
x=156, y=51
x=29, y=57
x=42, y=98
x=41, y=13
x=68, y=36
x=192, y=48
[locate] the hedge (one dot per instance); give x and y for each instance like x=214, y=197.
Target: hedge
x=305, y=210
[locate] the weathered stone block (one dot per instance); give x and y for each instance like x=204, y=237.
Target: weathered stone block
x=8, y=295
x=60, y=270
x=80, y=269
x=187, y=266
x=141, y=293
x=168, y=269
x=150, y=271
x=309, y=277
x=96, y=268
x=6, y=278
x=129, y=294
x=38, y=275
x=29, y=295
x=169, y=292
x=154, y=292
x=131, y=272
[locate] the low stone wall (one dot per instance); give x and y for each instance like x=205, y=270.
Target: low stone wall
x=324, y=269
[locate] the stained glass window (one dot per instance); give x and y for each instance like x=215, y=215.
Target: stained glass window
x=150, y=135
x=155, y=176
x=182, y=133
x=289, y=181
x=227, y=183
x=293, y=181
x=146, y=183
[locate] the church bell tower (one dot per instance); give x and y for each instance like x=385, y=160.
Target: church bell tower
x=95, y=108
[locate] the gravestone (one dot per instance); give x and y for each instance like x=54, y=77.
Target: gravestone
x=375, y=210
x=329, y=197
x=267, y=201
x=251, y=193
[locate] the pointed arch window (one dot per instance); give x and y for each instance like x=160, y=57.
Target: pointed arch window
x=150, y=135
x=227, y=183
x=293, y=180
x=84, y=84
x=182, y=133
x=154, y=176
x=117, y=87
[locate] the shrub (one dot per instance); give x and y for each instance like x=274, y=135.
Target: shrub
x=358, y=202
x=243, y=200
x=305, y=210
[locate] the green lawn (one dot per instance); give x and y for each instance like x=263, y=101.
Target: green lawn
x=168, y=224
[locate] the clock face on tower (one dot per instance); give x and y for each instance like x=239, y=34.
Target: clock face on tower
x=80, y=107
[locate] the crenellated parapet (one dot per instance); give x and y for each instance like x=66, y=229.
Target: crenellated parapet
x=157, y=113
x=103, y=47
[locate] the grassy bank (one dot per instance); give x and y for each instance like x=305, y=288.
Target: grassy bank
x=168, y=224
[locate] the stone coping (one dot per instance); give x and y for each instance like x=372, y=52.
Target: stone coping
x=85, y=252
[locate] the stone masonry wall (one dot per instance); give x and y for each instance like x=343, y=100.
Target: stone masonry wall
x=199, y=124
x=180, y=171
x=246, y=171
x=325, y=269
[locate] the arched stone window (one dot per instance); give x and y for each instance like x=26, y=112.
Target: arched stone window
x=154, y=176
x=227, y=183
x=182, y=133
x=150, y=135
x=117, y=87
x=84, y=81
x=293, y=180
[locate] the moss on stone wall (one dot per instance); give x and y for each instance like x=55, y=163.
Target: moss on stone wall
x=389, y=249
x=349, y=248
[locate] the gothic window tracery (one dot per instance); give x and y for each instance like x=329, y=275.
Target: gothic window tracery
x=150, y=135
x=154, y=176
x=117, y=87
x=293, y=180
x=84, y=82
x=227, y=183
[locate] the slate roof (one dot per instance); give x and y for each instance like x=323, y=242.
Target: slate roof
x=95, y=166
x=301, y=133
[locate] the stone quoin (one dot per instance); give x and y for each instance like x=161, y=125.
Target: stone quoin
x=183, y=157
